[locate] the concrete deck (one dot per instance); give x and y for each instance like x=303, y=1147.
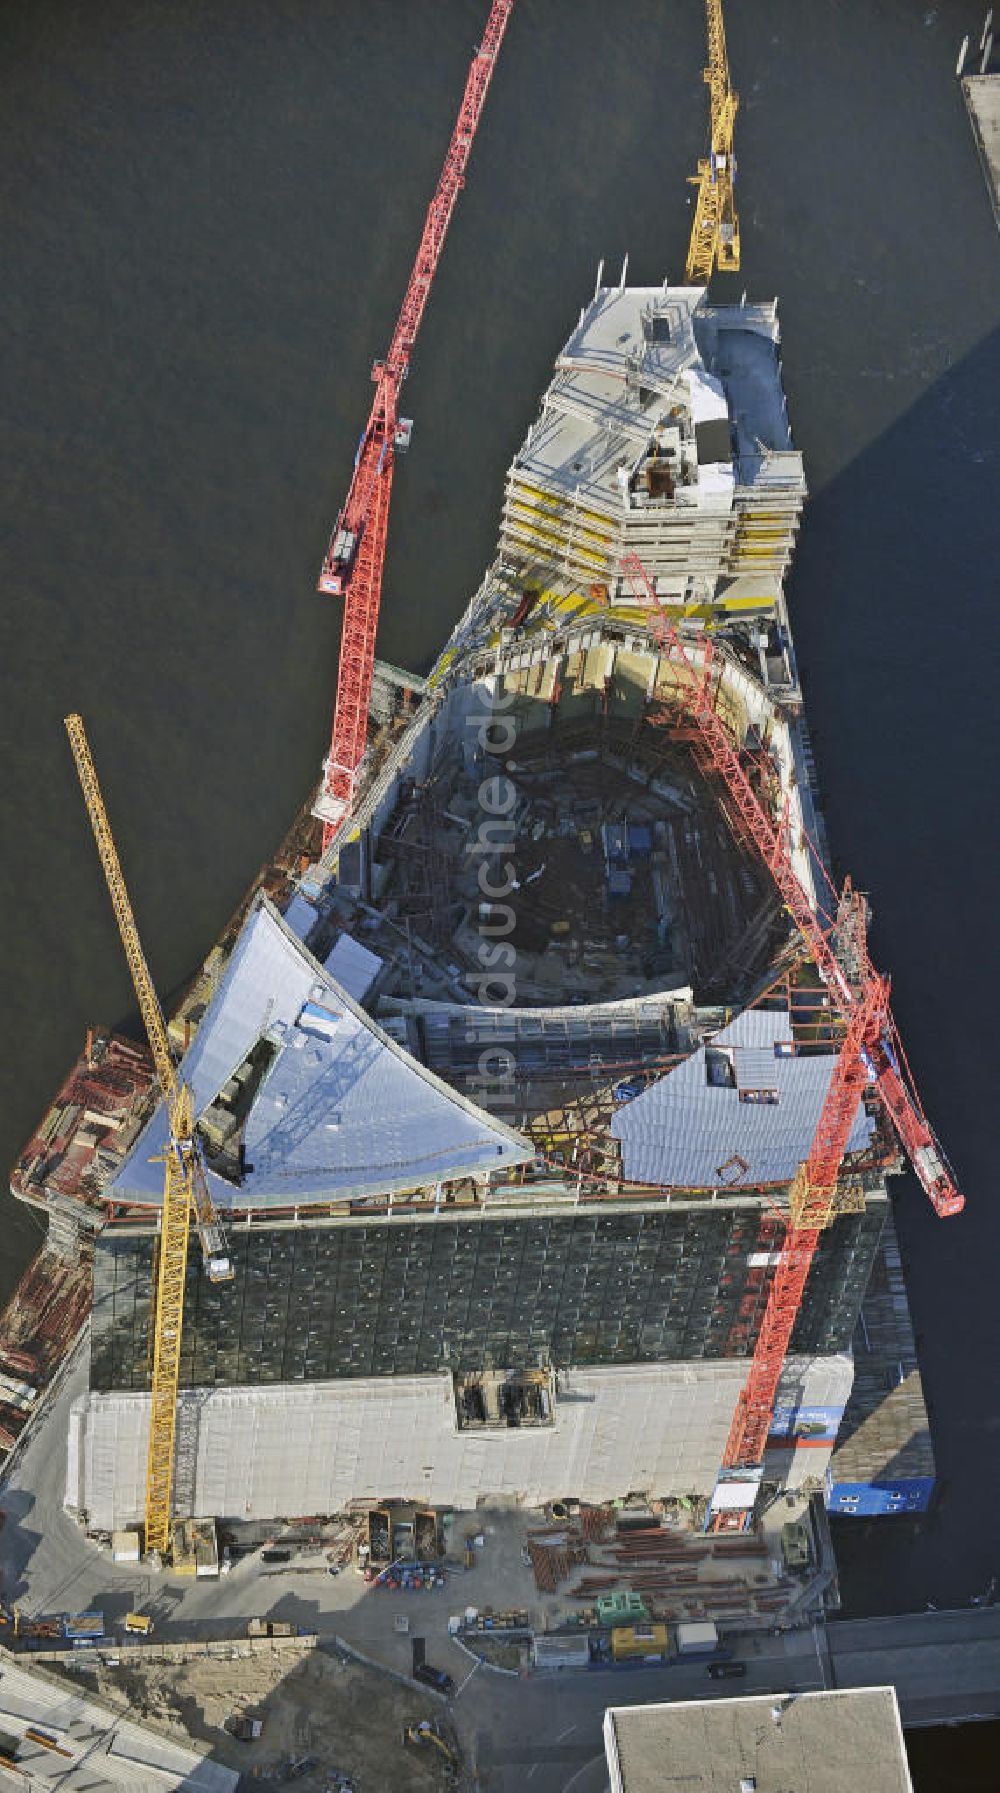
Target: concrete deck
x=982, y=98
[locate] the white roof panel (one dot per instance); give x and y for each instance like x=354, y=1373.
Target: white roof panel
x=684, y=1132
x=343, y=1110
x=353, y=966
x=301, y=916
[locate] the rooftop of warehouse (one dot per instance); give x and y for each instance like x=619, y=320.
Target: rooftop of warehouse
x=766, y=1743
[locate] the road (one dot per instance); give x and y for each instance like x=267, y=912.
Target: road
x=545, y=1733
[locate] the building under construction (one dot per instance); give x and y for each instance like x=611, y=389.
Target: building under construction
x=500, y=1096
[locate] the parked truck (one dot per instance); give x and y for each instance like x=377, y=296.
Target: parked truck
x=245, y=1726
x=270, y=1628
x=795, y=1546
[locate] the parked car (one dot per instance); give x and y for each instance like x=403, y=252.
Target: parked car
x=721, y=1671
x=275, y=1556
x=433, y=1677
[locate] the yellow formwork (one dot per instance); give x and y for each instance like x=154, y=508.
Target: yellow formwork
x=561, y=501
x=566, y=517
x=565, y=540
x=442, y=666
x=566, y=535
x=557, y=549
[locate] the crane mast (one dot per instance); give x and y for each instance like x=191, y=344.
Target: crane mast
x=715, y=232
x=185, y=1190
x=355, y=557
x=869, y=1053
x=814, y=1201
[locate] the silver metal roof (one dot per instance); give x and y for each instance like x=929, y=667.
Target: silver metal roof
x=353, y=965
x=343, y=1110
x=689, y=1133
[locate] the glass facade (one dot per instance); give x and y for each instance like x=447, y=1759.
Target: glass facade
x=408, y=1296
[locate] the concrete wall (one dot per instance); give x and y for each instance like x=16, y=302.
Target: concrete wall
x=287, y=1449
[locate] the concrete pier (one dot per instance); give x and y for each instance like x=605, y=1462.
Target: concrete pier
x=982, y=99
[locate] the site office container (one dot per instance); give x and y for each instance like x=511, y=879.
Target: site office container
x=639, y=1643
x=697, y=1637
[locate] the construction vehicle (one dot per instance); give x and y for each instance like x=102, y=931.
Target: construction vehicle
x=140, y=1622
x=426, y=1736
x=715, y=232
x=356, y=554
x=795, y=1549
x=185, y=1187
x=246, y=1727
x=871, y=1053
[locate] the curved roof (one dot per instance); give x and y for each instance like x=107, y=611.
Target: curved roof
x=754, y=1125
x=343, y=1111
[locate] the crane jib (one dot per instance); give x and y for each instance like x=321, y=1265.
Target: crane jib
x=356, y=555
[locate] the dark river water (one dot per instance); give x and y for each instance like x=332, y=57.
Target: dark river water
x=209, y=215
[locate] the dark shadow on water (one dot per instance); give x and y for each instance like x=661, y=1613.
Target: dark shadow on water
x=893, y=602
x=954, y=1758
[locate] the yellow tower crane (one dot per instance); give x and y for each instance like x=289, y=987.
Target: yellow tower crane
x=185, y=1189
x=715, y=233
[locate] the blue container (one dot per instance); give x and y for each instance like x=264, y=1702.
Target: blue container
x=614, y=839
x=640, y=841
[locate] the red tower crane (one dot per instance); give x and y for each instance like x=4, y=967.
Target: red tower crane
x=813, y=1202
x=356, y=555
x=884, y=1058
x=870, y=1053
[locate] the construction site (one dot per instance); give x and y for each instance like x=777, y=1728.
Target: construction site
x=533, y=1115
